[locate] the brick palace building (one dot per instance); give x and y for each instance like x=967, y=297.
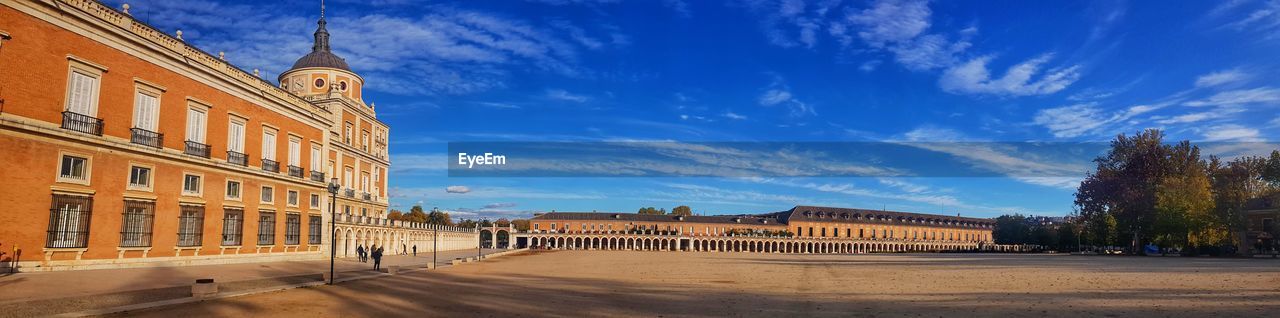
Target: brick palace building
x=802, y=229
x=122, y=145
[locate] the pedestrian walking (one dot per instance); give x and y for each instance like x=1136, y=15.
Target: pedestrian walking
x=360, y=253
x=377, y=259
x=415, y=250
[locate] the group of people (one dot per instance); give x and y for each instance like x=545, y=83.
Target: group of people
x=374, y=251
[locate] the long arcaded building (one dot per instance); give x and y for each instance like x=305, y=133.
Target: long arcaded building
x=802, y=229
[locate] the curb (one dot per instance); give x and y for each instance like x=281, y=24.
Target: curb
x=186, y=300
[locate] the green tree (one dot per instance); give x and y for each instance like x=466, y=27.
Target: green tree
x=652, y=211
x=1012, y=229
x=439, y=218
x=1271, y=174
x=682, y=210
x=415, y=215
x=1184, y=201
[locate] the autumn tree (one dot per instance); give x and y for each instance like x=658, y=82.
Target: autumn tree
x=682, y=210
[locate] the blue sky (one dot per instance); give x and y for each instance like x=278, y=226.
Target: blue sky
x=766, y=70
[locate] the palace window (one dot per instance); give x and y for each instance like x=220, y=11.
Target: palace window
x=291, y=198
x=268, y=194
x=191, y=184
x=292, y=229
x=268, y=144
x=191, y=225
x=69, y=221
x=82, y=93
x=232, y=227
x=266, y=227
x=235, y=136
x=146, y=110
x=319, y=83
x=196, y=118
x=135, y=225
x=313, y=229
x=139, y=178
x=315, y=201
x=233, y=190
x=315, y=158
x=295, y=152
x=74, y=169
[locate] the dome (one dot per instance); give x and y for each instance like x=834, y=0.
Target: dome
x=321, y=55
x=324, y=59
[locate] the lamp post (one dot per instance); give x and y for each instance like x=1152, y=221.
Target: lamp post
x=333, y=225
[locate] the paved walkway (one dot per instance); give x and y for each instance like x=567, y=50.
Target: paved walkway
x=43, y=288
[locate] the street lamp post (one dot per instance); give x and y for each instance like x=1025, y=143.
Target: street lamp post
x=333, y=225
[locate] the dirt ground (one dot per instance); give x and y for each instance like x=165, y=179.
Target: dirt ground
x=675, y=284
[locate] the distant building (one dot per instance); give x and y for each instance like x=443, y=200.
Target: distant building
x=802, y=229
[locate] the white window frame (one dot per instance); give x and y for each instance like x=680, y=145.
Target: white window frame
x=317, y=157
x=295, y=151
x=91, y=71
x=239, y=190
x=88, y=168
x=146, y=117
x=151, y=177
x=291, y=198
x=267, y=194
x=199, y=186
x=269, y=137
x=197, y=123
x=315, y=201
x=235, y=138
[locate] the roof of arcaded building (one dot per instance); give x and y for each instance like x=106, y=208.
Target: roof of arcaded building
x=799, y=213
x=610, y=216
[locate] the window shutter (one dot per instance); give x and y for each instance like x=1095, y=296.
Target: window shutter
x=80, y=99
x=295, y=153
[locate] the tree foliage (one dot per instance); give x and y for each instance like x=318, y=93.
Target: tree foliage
x=1147, y=191
x=652, y=211
x=682, y=210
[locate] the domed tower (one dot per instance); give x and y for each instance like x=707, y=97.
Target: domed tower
x=321, y=72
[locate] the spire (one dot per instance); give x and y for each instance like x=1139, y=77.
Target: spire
x=322, y=34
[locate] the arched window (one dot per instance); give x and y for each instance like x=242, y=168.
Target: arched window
x=319, y=83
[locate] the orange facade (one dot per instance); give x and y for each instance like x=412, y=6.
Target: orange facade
x=50, y=45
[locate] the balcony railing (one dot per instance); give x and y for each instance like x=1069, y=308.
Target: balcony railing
x=350, y=193
x=196, y=149
x=147, y=138
x=317, y=176
x=295, y=171
x=366, y=196
x=81, y=123
x=270, y=165
x=238, y=158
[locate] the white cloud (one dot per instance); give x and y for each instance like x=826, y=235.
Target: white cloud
x=444, y=51
x=928, y=52
x=457, y=189
x=1070, y=121
x=778, y=93
x=1239, y=97
x=1221, y=77
x=1231, y=132
x=562, y=95
x=732, y=115
x=415, y=163
x=1086, y=118
x=774, y=96
x=1274, y=122
x=904, y=185
x=973, y=77
x=889, y=21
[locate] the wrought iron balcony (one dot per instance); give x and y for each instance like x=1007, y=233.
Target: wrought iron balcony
x=270, y=165
x=146, y=138
x=366, y=196
x=196, y=149
x=81, y=123
x=350, y=193
x=295, y=171
x=317, y=176
x=238, y=158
